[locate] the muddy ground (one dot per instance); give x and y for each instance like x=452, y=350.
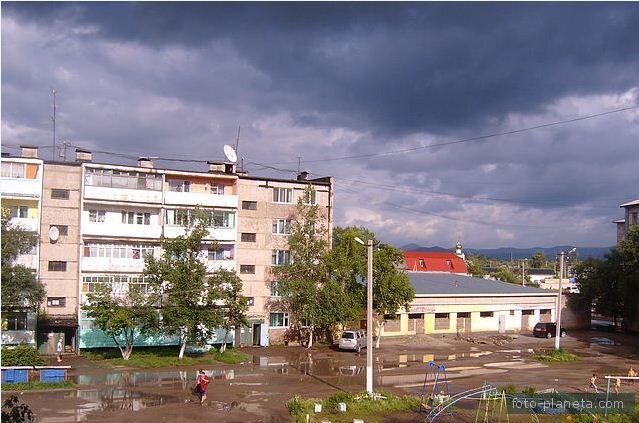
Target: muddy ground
x=257, y=391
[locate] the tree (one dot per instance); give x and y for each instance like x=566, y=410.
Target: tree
x=538, y=260
x=506, y=275
x=189, y=301
x=234, y=304
x=20, y=286
x=122, y=316
x=475, y=266
x=14, y=412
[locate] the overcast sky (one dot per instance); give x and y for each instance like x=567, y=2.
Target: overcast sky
x=362, y=92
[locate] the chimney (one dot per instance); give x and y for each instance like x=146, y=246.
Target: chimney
x=216, y=167
x=83, y=155
x=302, y=176
x=145, y=162
x=29, y=151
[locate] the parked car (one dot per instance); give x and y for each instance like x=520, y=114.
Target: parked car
x=547, y=330
x=352, y=340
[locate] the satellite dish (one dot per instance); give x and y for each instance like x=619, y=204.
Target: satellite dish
x=54, y=233
x=230, y=153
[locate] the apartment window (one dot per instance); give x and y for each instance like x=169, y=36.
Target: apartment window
x=282, y=195
x=250, y=301
x=310, y=197
x=118, y=251
x=62, y=229
x=179, y=186
x=512, y=312
x=136, y=218
x=247, y=269
x=223, y=252
x=282, y=226
x=249, y=205
x=12, y=320
x=634, y=219
x=57, y=266
x=486, y=314
x=223, y=219
x=60, y=194
x=181, y=217
x=13, y=170
x=122, y=179
x=248, y=237
x=97, y=216
x=119, y=284
x=217, y=189
x=276, y=288
x=280, y=257
x=56, y=301
x=278, y=320
x=19, y=211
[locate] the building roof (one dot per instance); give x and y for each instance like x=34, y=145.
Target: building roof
x=428, y=284
x=619, y=221
x=434, y=261
x=634, y=202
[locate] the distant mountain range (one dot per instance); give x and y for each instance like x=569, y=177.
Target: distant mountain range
x=507, y=253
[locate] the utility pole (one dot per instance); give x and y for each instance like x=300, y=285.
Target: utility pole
x=523, y=280
x=53, y=118
x=558, y=320
x=369, y=319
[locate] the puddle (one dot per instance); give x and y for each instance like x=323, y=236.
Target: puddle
x=602, y=340
x=154, y=378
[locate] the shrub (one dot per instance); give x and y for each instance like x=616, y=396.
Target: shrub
x=332, y=401
x=528, y=390
x=508, y=389
x=556, y=355
x=14, y=412
x=22, y=355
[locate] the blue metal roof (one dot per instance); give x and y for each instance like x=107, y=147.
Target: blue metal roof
x=426, y=283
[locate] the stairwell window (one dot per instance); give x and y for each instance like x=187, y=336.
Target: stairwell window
x=60, y=194
x=282, y=226
x=283, y=195
x=310, y=198
x=57, y=266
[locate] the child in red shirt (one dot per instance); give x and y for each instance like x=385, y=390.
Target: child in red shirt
x=202, y=384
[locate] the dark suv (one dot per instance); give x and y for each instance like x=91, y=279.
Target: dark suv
x=547, y=330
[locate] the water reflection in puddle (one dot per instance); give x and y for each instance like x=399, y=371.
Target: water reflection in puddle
x=602, y=340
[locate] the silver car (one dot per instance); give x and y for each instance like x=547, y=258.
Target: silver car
x=352, y=340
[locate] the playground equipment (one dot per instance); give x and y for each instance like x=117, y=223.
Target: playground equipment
x=434, y=374
x=492, y=399
x=445, y=406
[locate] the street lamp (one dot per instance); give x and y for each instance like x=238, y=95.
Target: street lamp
x=561, y=275
x=369, y=316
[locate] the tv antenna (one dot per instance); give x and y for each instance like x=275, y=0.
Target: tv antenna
x=53, y=119
x=230, y=154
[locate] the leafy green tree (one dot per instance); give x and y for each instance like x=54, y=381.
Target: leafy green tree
x=539, y=260
x=475, y=266
x=189, y=299
x=504, y=274
x=14, y=412
x=121, y=317
x=20, y=286
x=234, y=305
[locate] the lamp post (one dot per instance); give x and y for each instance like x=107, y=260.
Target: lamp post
x=369, y=315
x=558, y=322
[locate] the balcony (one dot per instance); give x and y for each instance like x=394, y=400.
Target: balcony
x=213, y=265
x=28, y=224
x=218, y=234
x=122, y=194
x=120, y=230
x=205, y=200
x=21, y=187
x=29, y=261
x=107, y=264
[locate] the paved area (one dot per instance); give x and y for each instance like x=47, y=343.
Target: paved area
x=257, y=391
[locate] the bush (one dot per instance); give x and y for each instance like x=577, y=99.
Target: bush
x=528, y=390
x=22, y=355
x=332, y=401
x=508, y=389
x=556, y=355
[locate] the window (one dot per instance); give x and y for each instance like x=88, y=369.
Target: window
x=217, y=189
x=279, y=320
x=248, y=237
x=249, y=205
x=118, y=251
x=250, y=301
x=119, y=284
x=57, y=266
x=310, y=197
x=223, y=219
x=97, y=216
x=19, y=211
x=422, y=263
x=280, y=257
x=224, y=252
x=282, y=195
x=13, y=170
x=449, y=263
x=56, y=301
x=463, y=315
x=442, y=321
x=136, y=218
x=634, y=219
x=512, y=312
x=247, y=269
x=180, y=217
x=122, y=179
x=12, y=320
x=179, y=186
x=276, y=288
x=527, y=312
x=62, y=229
x=486, y=314
x=282, y=226
x=60, y=194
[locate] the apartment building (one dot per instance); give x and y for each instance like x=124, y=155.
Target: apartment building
x=21, y=190
x=267, y=210
x=631, y=217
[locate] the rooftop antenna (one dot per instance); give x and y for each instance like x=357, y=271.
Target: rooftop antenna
x=237, y=144
x=53, y=118
x=299, y=164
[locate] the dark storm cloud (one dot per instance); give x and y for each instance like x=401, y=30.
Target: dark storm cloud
x=394, y=69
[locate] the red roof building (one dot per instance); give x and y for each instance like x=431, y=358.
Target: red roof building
x=431, y=261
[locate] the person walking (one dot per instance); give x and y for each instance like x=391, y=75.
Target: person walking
x=202, y=385
x=59, y=350
x=593, y=383
x=632, y=373
x=617, y=385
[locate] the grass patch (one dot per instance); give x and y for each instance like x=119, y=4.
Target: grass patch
x=559, y=355
x=154, y=357
x=359, y=406
x=34, y=386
